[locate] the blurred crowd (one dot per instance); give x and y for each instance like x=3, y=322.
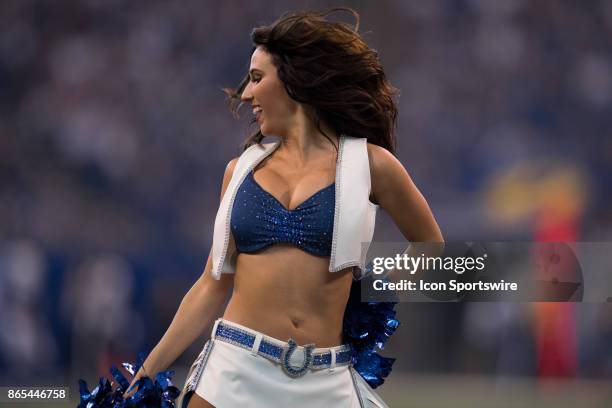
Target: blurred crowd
x=114, y=135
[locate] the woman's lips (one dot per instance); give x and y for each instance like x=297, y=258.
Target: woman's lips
x=257, y=112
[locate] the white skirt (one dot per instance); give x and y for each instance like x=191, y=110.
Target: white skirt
x=228, y=376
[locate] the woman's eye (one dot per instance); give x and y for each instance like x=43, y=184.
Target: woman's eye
x=255, y=80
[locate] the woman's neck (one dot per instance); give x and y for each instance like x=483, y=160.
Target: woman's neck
x=303, y=143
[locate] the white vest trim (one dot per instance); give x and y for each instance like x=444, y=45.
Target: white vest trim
x=354, y=213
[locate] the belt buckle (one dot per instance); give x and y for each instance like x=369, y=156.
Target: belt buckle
x=290, y=370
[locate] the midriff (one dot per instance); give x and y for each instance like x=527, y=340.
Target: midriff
x=285, y=292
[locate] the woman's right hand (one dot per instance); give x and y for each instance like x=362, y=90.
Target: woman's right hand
x=129, y=392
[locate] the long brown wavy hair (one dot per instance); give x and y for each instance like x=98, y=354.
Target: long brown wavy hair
x=328, y=66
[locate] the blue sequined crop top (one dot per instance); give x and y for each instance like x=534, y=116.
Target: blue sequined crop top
x=259, y=220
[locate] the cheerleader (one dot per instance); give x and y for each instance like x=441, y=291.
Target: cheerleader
x=289, y=235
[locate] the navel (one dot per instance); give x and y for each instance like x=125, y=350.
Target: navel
x=297, y=322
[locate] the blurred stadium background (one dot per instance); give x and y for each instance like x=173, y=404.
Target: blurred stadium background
x=114, y=135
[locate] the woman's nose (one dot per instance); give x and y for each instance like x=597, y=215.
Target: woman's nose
x=246, y=93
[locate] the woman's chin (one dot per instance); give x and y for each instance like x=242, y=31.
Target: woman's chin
x=265, y=131
x=269, y=131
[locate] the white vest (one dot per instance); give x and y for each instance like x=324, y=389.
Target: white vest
x=354, y=214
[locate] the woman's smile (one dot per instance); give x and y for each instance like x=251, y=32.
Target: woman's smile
x=257, y=112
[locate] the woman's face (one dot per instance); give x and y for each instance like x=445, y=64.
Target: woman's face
x=273, y=107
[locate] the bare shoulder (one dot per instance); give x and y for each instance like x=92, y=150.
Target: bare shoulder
x=227, y=176
x=383, y=163
x=229, y=168
x=387, y=174
x=395, y=192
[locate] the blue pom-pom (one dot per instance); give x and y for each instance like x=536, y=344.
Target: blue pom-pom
x=367, y=327
x=159, y=393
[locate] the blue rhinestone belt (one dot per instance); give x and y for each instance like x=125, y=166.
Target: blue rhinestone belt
x=279, y=351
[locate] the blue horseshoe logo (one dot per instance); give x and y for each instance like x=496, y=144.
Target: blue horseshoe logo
x=300, y=371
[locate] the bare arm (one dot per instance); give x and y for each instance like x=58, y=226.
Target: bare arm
x=395, y=192
x=199, y=307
